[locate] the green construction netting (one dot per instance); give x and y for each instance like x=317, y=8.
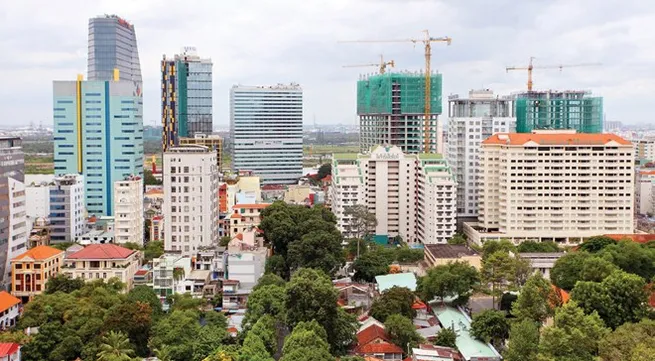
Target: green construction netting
x=398, y=94
x=585, y=115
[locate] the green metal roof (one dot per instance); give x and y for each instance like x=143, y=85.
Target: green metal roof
x=399, y=279
x=467, y=345
x=430, y=156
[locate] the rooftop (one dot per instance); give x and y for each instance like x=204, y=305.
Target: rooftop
x=639, y=238
x=251, y=205
x=7, y=349
x=7, y=301
x=386, y=282
x=39, y=253
x=102, y=251
x=370, y=334
x=379, y=348
x=467, y=345
x=449, y=250
x=555, y=139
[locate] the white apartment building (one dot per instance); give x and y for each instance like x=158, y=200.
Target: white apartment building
x=37, y=200
x=645, y=191
x=128, y=210
x=554, y=186
x=190, y=199
x=67, y=212
x=470, y=122
x=644, y=149
x=18, y=231
x=266, y=131
x=412, y=196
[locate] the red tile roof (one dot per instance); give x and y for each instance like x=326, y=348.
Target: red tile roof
x=235, y=215
x=555, y=139
x=370, y=334
x=418, y=305
x=639, y=238
x=563, y=295
x=7, y=349
x=39, y=253
x=251, y=206
x=647, y=172
x=7, y=301
x=239, y=236
x=377, y=348
x=141, y=272
x=102, y=251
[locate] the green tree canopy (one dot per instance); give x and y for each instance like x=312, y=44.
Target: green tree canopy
x=523, y=344
x=490, y=326
x=145, y=294
x=631, y=257
x=446, y=337
x=567, y=269
x=324, y=170
x=538, y=247
x=63, y=283
x=305, y=345
x=154, y=249
x=596, y=244
x=115, y=346
x=369, y=265
x=535, y=301
x=266, y=300
x=402, y=332
x=362, y=221
x=396, y=300
x=457, y=239
x=269, y=279
x=449, y=280
x=491, y=247
x=317, y=249
x=625, y=342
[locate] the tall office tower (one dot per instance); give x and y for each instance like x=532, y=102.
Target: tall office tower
x=190, y=199
x=266, y=131
x=552, y=110
x=128, y=210
x=13, y=222
x=554, y=186
x=412, y=196
x=186, y=87
x=391, y=109
x=471, y=121
x=99, y=134
x=211, y=141
x=112, y=45
x=67, y=213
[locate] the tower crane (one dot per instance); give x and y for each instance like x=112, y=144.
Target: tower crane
x=427, y=42
x=531, y=67
x=383, y=65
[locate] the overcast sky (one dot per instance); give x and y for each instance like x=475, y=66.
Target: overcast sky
x=268, y=42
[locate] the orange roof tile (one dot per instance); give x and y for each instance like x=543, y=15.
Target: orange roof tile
x=639, y=238
x=251, y=205
x=377, y=348
x=154, y=191
x=7, y=301
x=39, y=253
x=235, y=215
x=563, y=295
x=8, y=349
x=371, y=358
x=555, y=139
x=239, y=236
x=370, y=334
x=102, y=251
x=647, y=171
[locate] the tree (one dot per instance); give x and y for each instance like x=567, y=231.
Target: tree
x=523, y=344
x=490, y=326
x=311, y=326
x=63, y=283
x=361, y=221
x=574, y=335
x=324, y=170
x=145, y=294
x=596, y=269
x=396, y=300
x=225, y=241
x=147, y=225
x=115, y=347
x=352, y=358
x=265, y=329
x=154, y=249
x=149, y=179
x=133, y=320
x=631, y=257
x=305, y=345
x=276, y=265
x=402, y=331
x=446, y=338
x=538, y=247
x=491, y=247
x=254, y=349
x=457, y=239
x=317, y=249
x=596, y=244
x=265, y=300
x=499, y=270
x=269, y=279
x=183, y=302
x=449, y=280
x=624, y=343
x=369, y=265
x=619, y=298
x=535, y=302
x=566, y=271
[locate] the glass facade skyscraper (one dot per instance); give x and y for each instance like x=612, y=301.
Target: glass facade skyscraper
x=186, y=97
x=99, y=134
x=112, y=45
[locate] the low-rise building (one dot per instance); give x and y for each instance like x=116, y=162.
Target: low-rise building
x=471, y=348
x=32, y=270
x=103, y=261
x=385, y=282
x=168, y=274
x=96, y=236
x=9, y=310
x=245, y=216
x=441, y=254
x=157, y=229
x=234, y=297
x=542, y=262
x=645, y=192
x=246, y=266
x=10, y=352
x=40, y=233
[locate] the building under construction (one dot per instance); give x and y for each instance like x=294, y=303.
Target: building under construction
x=570, y=109
x=391, y=109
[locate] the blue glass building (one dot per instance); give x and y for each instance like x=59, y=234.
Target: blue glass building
x=98, y=133
x=112, y=45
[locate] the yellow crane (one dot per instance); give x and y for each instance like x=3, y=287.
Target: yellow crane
x=531, y=67
x=427, y=42
x=383, y=65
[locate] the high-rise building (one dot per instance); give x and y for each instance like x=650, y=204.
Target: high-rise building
x=128, y=210
x=211, y=141
x=67, y=213
x=412, y=196
x=554, y=186
x=553, y=110
x=99, y=134
x=190, y=199
x=112, y=45
x=13, y=223
x=186, y=86
x=391, y=109
x=471, y=121
x=266, y=131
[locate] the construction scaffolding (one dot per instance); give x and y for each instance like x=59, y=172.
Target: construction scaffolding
x=548, y=110
x=397, y=93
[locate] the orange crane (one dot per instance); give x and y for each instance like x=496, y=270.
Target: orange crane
x=531, y=67
x=427, y=42
x=383, y=65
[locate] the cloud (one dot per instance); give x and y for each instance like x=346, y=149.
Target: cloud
x=264, y=42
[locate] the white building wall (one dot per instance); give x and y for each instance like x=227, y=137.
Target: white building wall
x=128, y=210
x=67, y=208
x=190, y=199
x=37, y=198
x=18, y=232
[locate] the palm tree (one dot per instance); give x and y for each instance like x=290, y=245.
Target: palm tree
x=115, y=347
x=163, y=354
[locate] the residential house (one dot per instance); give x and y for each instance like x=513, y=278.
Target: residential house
x=245, y=216
x=40, y=233
x=234, y=298
x=355, y=297
x=385, y=282
x=103, y=261
x=10, y=352
x=373, y=341
x=168, y=274
x=471, y=348
x=428, y=352
x=542, y=262
x=9, y=310
x=441, y=254
x=143, y=277
x=32, y=269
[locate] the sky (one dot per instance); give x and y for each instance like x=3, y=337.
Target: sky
x=268, y=42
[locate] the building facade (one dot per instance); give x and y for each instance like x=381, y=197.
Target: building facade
x=13, y=221
x=470, y=121
x=37, y=200
x=112, y=45
x=190, y=199
x=554, y=186
x=103, y=261
x=644, y=149
x=128, y=210
x=67, y=214
x=266, y=131
x=99, y=134
x=211, y=141
x=412, y=196
x=558, y=110
x=186, y=83
x=31, y=271
x=391, y=110
x=9, y=310
x=645, y=192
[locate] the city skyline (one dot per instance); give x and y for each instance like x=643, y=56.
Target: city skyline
x=281, y=43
